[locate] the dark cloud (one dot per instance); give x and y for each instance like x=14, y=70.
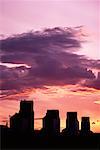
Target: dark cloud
x=19, y=78
x=95, y=83
x=51, y=55
x=36, y=46
x=34, y=41
x=90, y=63
x=82, y=90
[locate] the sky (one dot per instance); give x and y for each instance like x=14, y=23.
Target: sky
x=50, y=53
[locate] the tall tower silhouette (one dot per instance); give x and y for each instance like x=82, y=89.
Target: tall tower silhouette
x=24, y=120
x=51, y=122
x=72, y=124
x=85, y=125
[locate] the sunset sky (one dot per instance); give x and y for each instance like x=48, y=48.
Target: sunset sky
x=50, y=53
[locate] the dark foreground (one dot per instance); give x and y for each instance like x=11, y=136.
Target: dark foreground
x=11, y=140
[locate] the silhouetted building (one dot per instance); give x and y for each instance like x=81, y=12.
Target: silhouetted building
x=24, y=120
x=23, y=124
x=85, y=125
x=3, y=129
x=51, y=122
x=26, y=107
x=72, y=124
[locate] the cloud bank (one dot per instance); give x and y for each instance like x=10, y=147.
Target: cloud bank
x=52, y=57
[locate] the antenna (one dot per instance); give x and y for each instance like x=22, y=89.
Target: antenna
x=6, y=123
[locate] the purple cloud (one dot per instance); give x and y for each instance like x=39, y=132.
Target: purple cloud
x=50, y=53
x=95, y=83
